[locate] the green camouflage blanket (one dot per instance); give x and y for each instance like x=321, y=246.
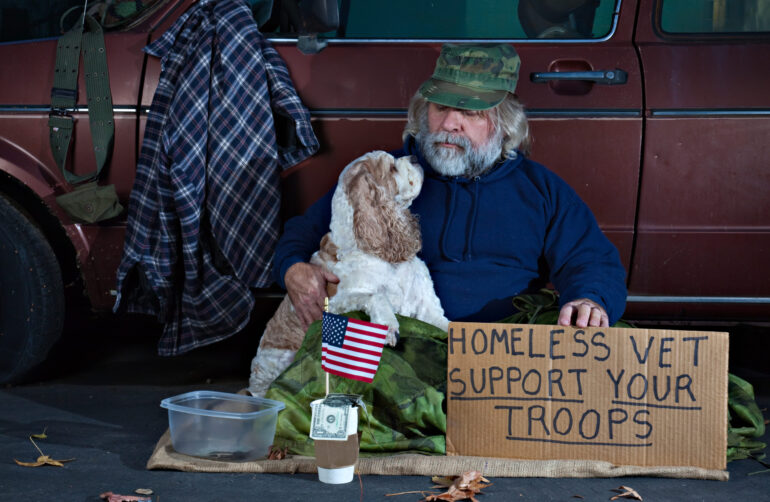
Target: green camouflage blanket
x=745, y=422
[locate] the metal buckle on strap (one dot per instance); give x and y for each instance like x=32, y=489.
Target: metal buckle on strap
x=61, y=112
x=63, y=94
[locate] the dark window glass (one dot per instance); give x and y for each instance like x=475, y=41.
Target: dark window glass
x=30, y=19
x=715, y=16
x=458, y=19
x=34, y=19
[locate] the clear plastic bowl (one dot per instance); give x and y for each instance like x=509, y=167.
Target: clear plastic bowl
x=222, y=426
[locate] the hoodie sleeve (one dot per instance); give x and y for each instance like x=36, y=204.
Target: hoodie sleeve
x=583, y=262
x=302, y=236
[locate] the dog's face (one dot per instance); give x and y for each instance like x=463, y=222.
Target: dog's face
x=380, y=188
x=397, y=179
x=409, y=177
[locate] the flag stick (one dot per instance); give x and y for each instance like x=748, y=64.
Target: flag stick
x=326, y=309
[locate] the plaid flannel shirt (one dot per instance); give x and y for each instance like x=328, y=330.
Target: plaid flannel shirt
x=203, y=216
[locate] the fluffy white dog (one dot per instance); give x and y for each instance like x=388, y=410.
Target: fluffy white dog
x=372, y=247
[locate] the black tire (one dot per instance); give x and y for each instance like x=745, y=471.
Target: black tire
x=31, y=295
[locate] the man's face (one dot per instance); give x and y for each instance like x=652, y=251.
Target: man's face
x=474, y=125
x=459, y=142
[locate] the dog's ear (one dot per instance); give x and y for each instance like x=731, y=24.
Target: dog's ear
x=379, y=226
x=328, y=249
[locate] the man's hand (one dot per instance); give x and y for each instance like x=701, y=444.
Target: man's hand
x=582, y=313
x=306, y=285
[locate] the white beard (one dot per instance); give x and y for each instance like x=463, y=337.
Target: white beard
x=468, y=161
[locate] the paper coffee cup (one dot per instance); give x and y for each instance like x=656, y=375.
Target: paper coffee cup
x=336, y=460
x=336, y=476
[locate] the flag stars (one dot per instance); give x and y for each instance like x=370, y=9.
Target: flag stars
x=334, y=329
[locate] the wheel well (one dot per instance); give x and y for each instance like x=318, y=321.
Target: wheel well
x=33, y=207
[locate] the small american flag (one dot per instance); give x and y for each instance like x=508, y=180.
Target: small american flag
x=351, y=348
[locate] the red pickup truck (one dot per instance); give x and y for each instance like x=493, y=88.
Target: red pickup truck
x=655, y=111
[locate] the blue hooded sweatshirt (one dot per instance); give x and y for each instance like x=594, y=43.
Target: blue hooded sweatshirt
x=509, y=231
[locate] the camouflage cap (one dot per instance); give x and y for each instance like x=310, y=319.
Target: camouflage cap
x=473, y=77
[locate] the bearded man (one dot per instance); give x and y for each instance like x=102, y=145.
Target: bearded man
x=494, y=223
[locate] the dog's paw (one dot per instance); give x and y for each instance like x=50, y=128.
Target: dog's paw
x=392, y=337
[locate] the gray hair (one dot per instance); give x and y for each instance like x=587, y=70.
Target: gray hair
x=508, y=117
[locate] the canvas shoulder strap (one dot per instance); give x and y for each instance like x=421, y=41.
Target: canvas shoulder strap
x=88, y=37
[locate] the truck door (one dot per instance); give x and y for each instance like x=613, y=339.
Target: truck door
x=703, y=242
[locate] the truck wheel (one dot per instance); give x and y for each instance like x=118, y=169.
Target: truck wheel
x=31, y=295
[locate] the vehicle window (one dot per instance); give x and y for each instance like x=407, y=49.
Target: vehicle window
x=29, y=20
x=23, y=20
x=715, y=16
x=462, y=19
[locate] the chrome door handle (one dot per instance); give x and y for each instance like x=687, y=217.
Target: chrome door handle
x=604, y=77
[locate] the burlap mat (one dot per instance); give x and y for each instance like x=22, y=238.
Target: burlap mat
x=164, y=457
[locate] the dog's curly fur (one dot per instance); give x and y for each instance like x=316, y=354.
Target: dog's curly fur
x=372, y=247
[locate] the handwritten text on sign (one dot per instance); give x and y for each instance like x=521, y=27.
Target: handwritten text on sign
x=628, y=396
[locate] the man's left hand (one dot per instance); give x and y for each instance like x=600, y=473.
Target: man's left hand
x=582, y=313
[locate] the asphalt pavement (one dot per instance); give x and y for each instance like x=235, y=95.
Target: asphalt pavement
x=99, y=405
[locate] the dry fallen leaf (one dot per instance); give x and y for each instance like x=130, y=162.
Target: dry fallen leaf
x=43, y=459
x=41, y=435
x=277, y=453
x=443, y=480
x=627, y=493
x=116, y=497
x=462, y=487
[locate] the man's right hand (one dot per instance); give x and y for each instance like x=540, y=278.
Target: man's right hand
x=306, y=285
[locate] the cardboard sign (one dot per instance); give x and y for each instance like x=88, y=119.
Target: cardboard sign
x=627, y=396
